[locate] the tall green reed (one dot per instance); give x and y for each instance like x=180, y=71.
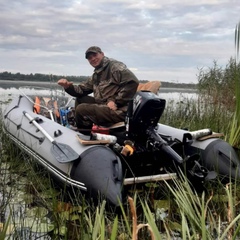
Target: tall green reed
x=199, y=218
x=234, y=136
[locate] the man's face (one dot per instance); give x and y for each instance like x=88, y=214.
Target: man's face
x=95, y=58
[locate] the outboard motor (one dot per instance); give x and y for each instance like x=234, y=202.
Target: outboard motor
x=144, y=112
x=142, y=119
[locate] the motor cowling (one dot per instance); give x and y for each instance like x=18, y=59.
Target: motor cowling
x=144, y=111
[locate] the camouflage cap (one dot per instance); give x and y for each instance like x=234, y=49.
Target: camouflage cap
x=93, y=49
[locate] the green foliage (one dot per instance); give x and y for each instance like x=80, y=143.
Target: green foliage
x=235, y=130
x=151, y=220
x=199, y=220
x=217, y=84
x=4, y=229
x=197, y=114
x=237, y=39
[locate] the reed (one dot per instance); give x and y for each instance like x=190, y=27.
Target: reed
x=234, y=137
x=197, y=114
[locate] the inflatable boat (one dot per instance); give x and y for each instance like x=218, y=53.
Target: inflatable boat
x=138, y=150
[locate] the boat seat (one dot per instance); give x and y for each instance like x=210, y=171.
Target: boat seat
x=152, y=86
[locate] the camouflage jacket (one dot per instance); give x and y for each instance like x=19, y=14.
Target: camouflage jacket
x=112, y=81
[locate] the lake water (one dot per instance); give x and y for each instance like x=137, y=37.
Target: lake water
x=10, y=89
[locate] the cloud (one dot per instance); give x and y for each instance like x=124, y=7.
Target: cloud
x=165, y=40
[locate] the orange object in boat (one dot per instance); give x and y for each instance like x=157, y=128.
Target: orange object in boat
x=37, y=107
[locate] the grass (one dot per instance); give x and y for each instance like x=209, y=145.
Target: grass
x=197, y=115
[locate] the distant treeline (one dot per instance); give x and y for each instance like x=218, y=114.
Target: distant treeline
x=39, y=77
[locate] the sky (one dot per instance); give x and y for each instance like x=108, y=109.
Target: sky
x=165, y=40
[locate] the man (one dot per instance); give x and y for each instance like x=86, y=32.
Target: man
x=113, y=85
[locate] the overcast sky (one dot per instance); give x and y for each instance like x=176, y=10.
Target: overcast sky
x=166, y=40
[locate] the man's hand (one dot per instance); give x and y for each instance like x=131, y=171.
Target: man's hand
x=64, y=83
x=112, y=105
